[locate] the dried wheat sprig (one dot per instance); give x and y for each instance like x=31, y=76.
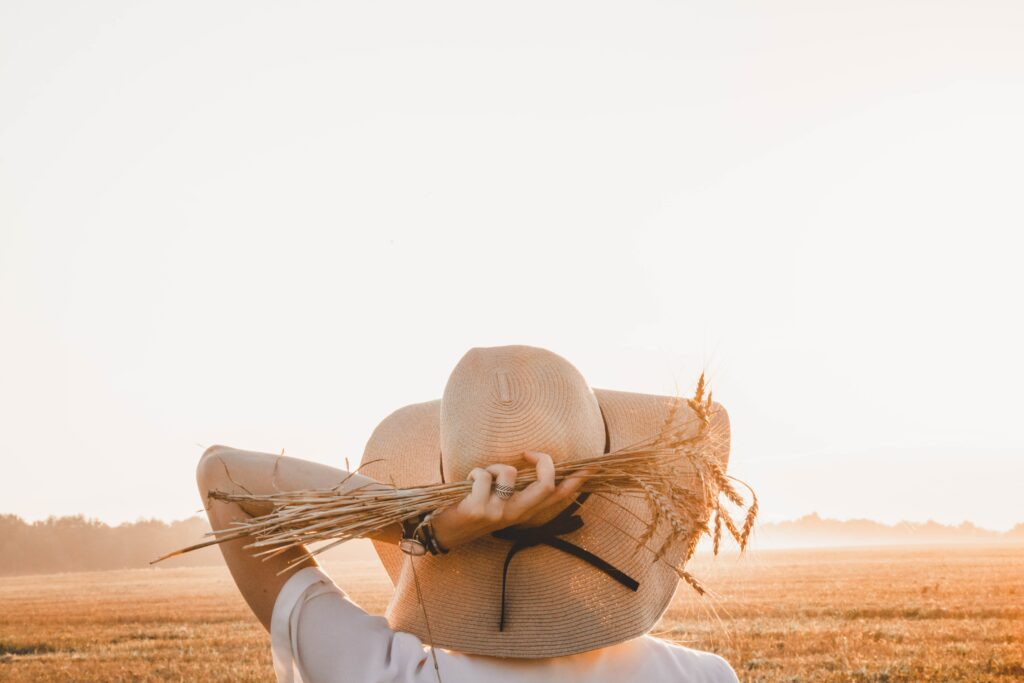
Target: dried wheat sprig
x=659, y=469
x=652, y=523
x=724, y=485
x=748, y=521
x=748, y=524
x=670, y=416
x=691, y=580
x=718, y=530
x=730, y=525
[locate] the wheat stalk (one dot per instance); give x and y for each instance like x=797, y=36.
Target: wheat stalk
x=656, y=468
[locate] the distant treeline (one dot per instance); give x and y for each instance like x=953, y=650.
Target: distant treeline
x=75, y=544
x=814, y=531
x=78, y=544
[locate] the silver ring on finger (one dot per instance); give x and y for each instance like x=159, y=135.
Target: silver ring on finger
x=503, y=491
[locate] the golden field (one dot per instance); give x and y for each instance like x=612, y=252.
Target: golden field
x=896, y=614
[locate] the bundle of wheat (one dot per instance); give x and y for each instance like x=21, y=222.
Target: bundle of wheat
x=675, y=470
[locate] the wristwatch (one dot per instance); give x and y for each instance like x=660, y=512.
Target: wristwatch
x=418, y=536
x=409, y=544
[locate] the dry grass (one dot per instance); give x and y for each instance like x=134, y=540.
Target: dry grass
x=677, y=471
x=838, y=615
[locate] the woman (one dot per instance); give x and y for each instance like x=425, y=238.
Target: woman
x=539, y=584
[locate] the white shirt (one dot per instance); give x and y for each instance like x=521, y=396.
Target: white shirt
x=318, y=635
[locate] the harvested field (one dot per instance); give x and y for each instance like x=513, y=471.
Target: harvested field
x=892, y=614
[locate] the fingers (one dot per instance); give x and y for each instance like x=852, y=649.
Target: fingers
x=458, y=524
x=536, y=503
x=476, y=501
x=504, y=474
x=544, y=465
x=523, y=503
x=566, y=491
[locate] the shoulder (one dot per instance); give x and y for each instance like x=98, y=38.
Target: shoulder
x=697, y=665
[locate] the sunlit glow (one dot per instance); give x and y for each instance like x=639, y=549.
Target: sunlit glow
x=271, y=225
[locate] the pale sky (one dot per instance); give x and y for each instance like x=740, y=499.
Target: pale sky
x=269, y=225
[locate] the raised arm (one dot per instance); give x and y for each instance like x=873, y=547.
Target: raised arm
x=228, y=469
x=481, y=512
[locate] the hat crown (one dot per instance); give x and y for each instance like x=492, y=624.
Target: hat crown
x=503, y=400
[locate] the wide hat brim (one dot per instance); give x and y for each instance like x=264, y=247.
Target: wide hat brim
x=556, y=604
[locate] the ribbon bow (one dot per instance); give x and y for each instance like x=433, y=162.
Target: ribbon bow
x=547, y=534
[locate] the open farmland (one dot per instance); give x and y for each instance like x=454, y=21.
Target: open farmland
x=913, y=614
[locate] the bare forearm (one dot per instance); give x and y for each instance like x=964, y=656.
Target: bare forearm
x=231, y=470
x=481, y=512
x=260, y=473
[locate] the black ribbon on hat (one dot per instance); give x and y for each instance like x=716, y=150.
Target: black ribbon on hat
x=547, y=534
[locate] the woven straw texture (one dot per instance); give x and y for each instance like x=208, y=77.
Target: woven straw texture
x=498, y=402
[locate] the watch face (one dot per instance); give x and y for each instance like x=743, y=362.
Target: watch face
x=410, y=546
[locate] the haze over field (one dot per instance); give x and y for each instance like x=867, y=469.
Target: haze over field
x=72, y=544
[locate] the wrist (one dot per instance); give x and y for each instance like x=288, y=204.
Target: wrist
x=452, y=529
x=419, y=538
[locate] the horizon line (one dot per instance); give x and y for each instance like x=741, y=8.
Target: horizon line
x=810, y=515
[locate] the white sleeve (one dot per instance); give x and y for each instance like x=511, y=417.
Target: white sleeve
x=331, y=639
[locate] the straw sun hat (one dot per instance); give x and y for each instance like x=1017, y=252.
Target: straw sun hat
x=499, y=402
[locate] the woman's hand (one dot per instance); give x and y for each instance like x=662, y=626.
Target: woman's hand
x=482, y=511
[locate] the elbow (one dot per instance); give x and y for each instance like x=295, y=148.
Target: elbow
x=209, y=463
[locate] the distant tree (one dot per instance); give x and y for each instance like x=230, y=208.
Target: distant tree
x=75, y=543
